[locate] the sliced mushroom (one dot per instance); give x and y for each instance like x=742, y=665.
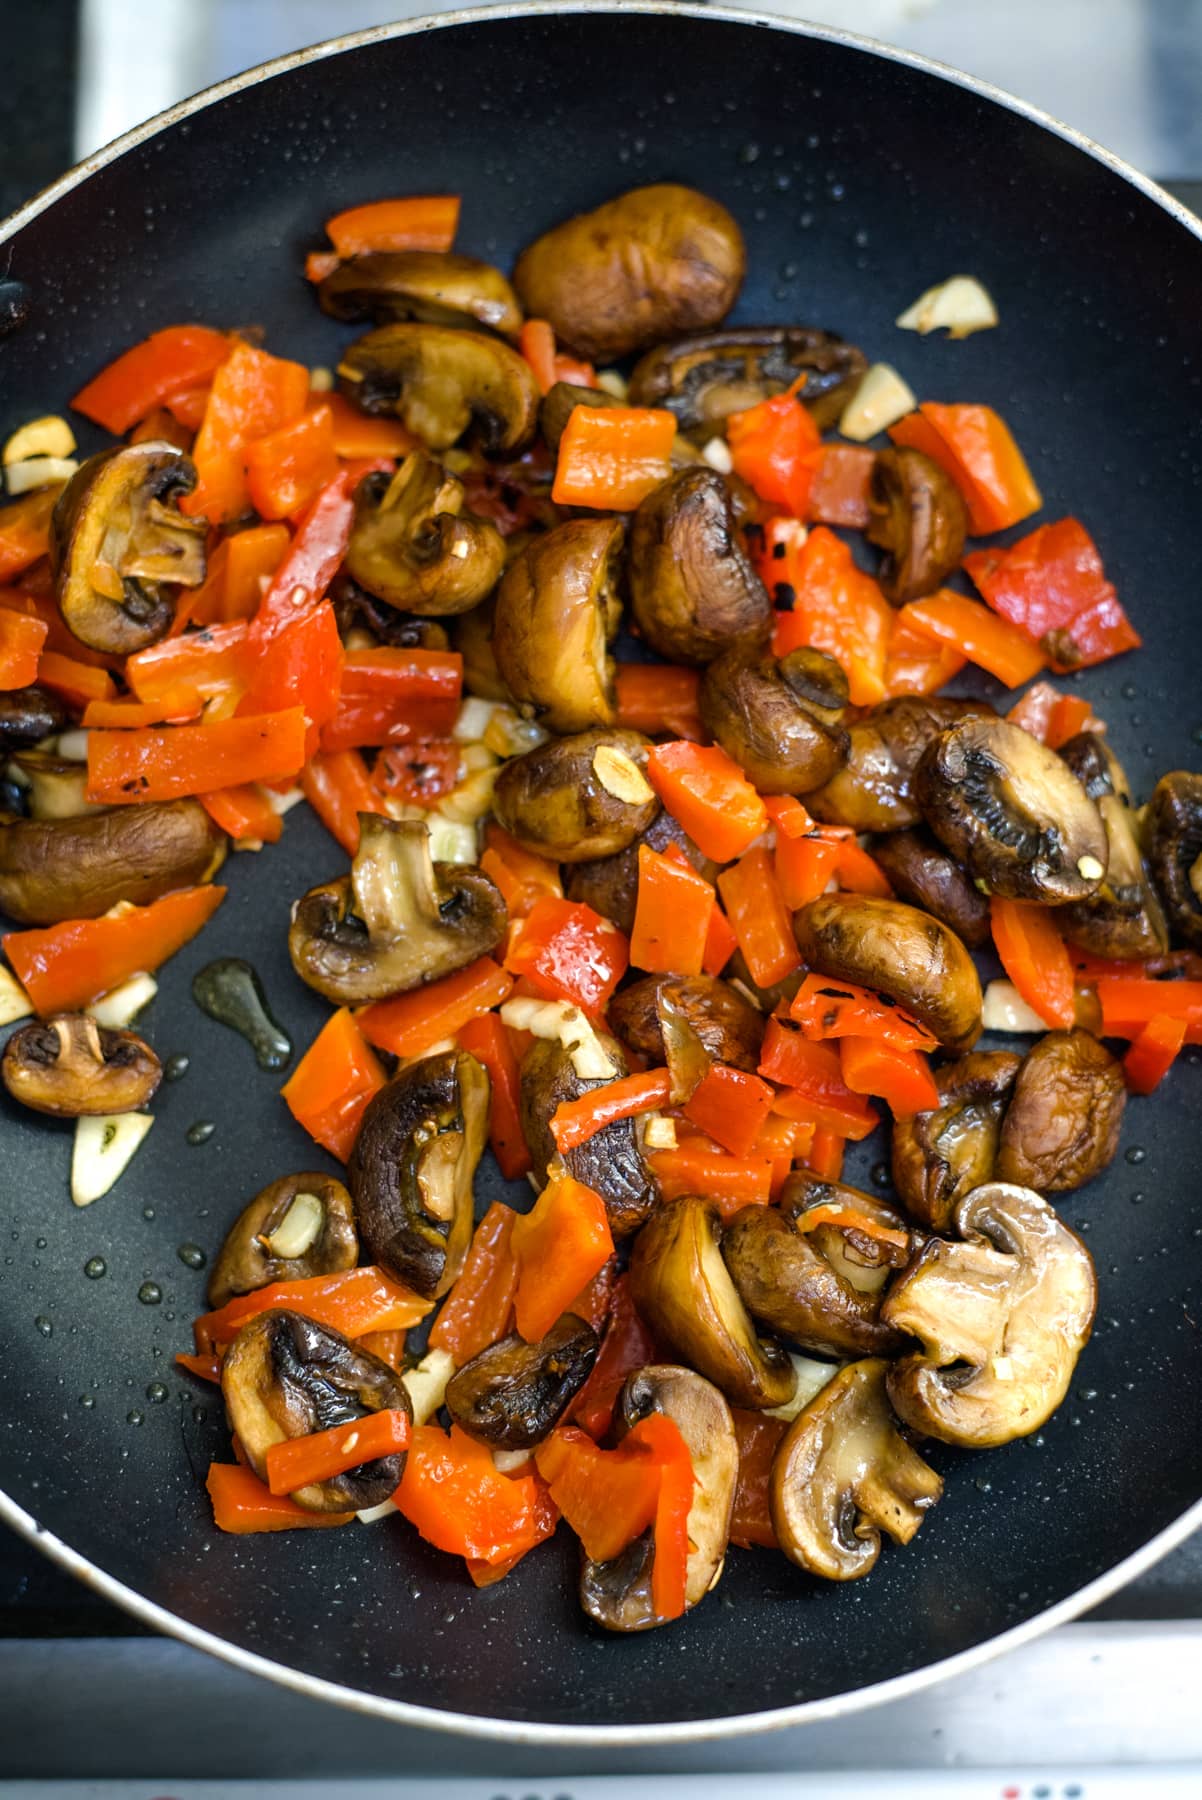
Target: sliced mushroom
x=875, y=790
x=69, y=1065
x=844, y=1474
x=698, y=1410
x=683, y=1289
x=513, y=1394
x=118, y=543
x=611, y=1161
x=78, y=868
x=432, y=286
x=728, y=1027
x=617, y=1594
x=397, y=921
x=295, y=1228
x=651, y=262
x=577, y=798
x=473, y=640
x=779, y=718
x=703, y=379
x=412, y=1167
x=789, y=1288
x=1173, y=828
x=442, y=383
x=1002, y=1318
x=29, y=714
x=940, y=1156
x=284, y=1376
x=413, y=545
x=1062, y=1125
x=556, y=610
x=899, y=951
x=1124, y=919
x=52, y=787
x=1012, y=812
x=918, y=517
x=921, y=871
x=862, y=1238
x=610, y=884
x=693, y=589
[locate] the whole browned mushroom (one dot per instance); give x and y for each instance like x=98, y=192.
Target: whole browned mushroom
x=706, y=377
x=611, y=1161
x=68, y=1065
x=683, y=1289
x=780, y=718
x=29, y=714
x=693, y=590
x=119, y=545
x=411, y=1170
x=397, y=921
x=1063, y=1121
x=1012, y=812
x=433, y=286
x=556, y=609
x=790, y=1289
x=77, y=868
x=1173, y=830
x=577, y=798
x=512, y=1395
x=285, y=1376
x=874, y=790
x=728, y=1027
x=413, y=545
x=921, y=871
x=940, y=1156
x=294, y=1228
x=473, y=639
x=843, y=1474
x=1124, y=919
x=442, y=383
x=917, y=516
x=651, y=262
x=895, y=950
x=610, y=884
x=1002, y=1317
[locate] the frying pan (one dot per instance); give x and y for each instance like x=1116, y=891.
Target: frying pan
x=860, y=176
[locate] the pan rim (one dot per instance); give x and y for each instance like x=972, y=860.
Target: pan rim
x=518, y=1731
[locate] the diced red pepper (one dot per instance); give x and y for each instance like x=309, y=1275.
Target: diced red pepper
x=459, y=1502
x=974, y=446
x=420, y=773
x=901, y=1078
x=245, y=813
x=917, y=663
x=720, y=942
x=287, y=467
x=479, y=1307
x=558, y=1246
x=25, y=531
x=79, y=683
x=825, y=1154
x=297, y=1462
x=1051, y=586
x=975, y=633
x=568, y=952
x=1153, y=1052
x=731, y=1106
x=1131, y=1002
x=672, y=917
x=728, y=1182
x=758, y=1439
x=252, y=394
x=338, y=788
x=709, y=795
x=626, y=1346
x=354, y=1302
x=611, y=457
x=759, y=918
x=660, y=700
x=825, y=1008
x=21, y=640
x=812, y=1073
x=804, y=868
x=842, y=485
x=163, y=365
x=486, y=1038
x=522, y=877
x=214, y=662
x=776, y=448
x=63, y=967
x=414, y=222
x=329, y=1090
x=166, y=763
x=242, y=1504
x=838, y=609
x=574, y=1122
x=411, y=1022
x=1035, y=957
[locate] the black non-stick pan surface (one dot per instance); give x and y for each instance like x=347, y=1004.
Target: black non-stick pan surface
x=859, y=178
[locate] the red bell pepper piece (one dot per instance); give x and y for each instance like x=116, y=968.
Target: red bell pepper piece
x=825, y=1154
x=354, y=1302
x=558, y=1246
x=312, y=561
x=709, y=795
x=410, y=1023
x=568, y=952
x=1035, y=957
x=626, y=1346
x=179, y=707
x=459, y=1501
x=1032, y=711
x=522, y=877
x=917, y=663
x=728, y=1182
x=338, y=788
x=974, y=446
x=205, y=1368
x=776, y=449
x=244, y=813
x=720, y=942
x=486, y=1038
x=841, y=486
x=169, y=762
x=64, y=967
x=608, y=1497
x=660, y=700
x=672, y=916
x=838, y=609
x=297, y=1462
x=817, y=1091
x=730, y=1106
x=25, y=531
x=972, y=631
x=758, y=1439
x=901, y=1078
x=574, y=1122
x=1129, y=1003
x=545, y=1519
x=252, y=394
x=855, y=871
x=163, y=365
x=415, y=222
x=414, y=692
x=536, y=341
x=610, y=458
x=287, y=467
x=759, y=918
x=595, y=1298
x=479, y=1307
x=804, y=868
x=1152, y=1053
x=21, y=640
x=329, y=1090
x=366, y=437
x=420, y=772
x=79, y=683
x=825, y=1008
x=299, y=664
x=242, y=1503
x=1052, y=588
x=213, y=661
x=1071, y=714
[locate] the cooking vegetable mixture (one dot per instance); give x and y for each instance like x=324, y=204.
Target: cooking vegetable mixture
x=666, y=933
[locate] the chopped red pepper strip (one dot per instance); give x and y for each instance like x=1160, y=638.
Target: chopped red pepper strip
x=837, y=608
x=242, y=1503
x=626, y=1346
x=825, y=1008
x=974, y=446
x=338, y=788
x=459, y=1502
x=759, y=917
x=673, y=915
x=901, y=1078
x=354, y=1302
x=709, y=795
x=151, y=373
x=813, y=1075
x=167, y=763
x=1153, y=1052
x=660, y=700
x=479, y=1307
x=610, y=458
x=1035, y=957
x=63, y=967
x=486, y=1038
x=776, y=448
x=559, y=1245
x=415, y=222
x=297, y=1462
x=574, y=1122
x=1052, y=588
x=329, y=1090
x=730, y=1106
x=568, y=952
x=410, y=1023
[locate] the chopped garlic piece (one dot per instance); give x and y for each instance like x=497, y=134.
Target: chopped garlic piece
x=717, y=454
x=475, y=716
x=508, y=1462
x=881, y=399
x=367, y=1515
x=659, y=1132
x=451, y=841
x=613, y=383
x=621, y=776
x=282, y=803
x=14, y=1001
x=558, y=1019
x=300, y=1227
x=426, y=1384
x=38, y=472
x=474, y=757
x=104, y=1148
x=812, y=1377
x=960, y=305
x=73, y=745
x=509, y=734
x=472, y=798
x=51, y=436
x=321, y=381
x=1004, y=1009
x=121, y=1007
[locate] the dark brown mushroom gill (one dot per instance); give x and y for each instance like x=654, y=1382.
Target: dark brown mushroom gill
x=1173, y=830
x=442, y=383
x=414, y=546
x=1124, y=919
x=513, y=1394
x=77, y=868
x=68, y=1065
x=705, y=378
x=296, y=1227
x=875, y=789
x=611, y=1161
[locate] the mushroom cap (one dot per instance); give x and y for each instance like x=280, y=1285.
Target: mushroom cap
x=921, y=871
x=434, y=286
x=789, y=1287
x=556, y=610
x=250, y=1259
x=728, y=1027
x=513, y=1394
x=1173, y=830
x=781, y=718
x=941, y=1155
x=1062, y=1124
x=69, y=1066
x=709, y=375
x=441, y=383
x=79, y=867
x=918, y=516
x=413, y=546
x=1002, y=1316
x=577, y=798
x=875, y=789
x=694, y=592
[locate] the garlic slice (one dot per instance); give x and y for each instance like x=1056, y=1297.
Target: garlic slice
x=49, y=436
x=960, y=305
x=812, y=1377
x=119, y=1008
x=1004, y=1009
x=104, y=1148
x=559, y=1019
x=14, y=1001
x=881, y=399
x=38, y=472
x=300, y=1227
x=426, y=1383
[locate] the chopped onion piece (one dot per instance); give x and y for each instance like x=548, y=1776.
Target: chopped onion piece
x=960, y=304
x=450, y=841
x=881, y=399
x=14, y=1001
x=104, y=1148
x=612, y=382
x=717, y=454
x=369, y=1514
x=426, y=1384
x=508, y=1462
x=51, y=436
x=282, y=803
x=121, y=1007
x=300, y=1227
x=659, y=1132
x=473, y=797
x=560, y=1019
x=73, y=745
x=475, y=716
x=321, y=381
x=812, y=1377
x=38, y=472
x=1004, y=1009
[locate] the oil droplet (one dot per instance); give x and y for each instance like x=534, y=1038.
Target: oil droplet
x=88, y=1401
x=1136, y=1154
x=1137, y=1199
x=200, y=1132
x=95, y=1267
x=134, y=1417
x=150, y=1293
x=230, y=991
x=191, y=1255
x=39, y=1243
x=44, y=1325
x=199, y=1415
x=156, y=1392
x=148, y=1212
x=176, y=1067
x=881, y=1175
